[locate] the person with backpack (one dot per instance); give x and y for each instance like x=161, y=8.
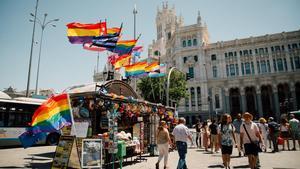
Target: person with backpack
x=273, y=133
x=213, y=128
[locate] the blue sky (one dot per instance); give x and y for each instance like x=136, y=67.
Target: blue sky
x=64, y=64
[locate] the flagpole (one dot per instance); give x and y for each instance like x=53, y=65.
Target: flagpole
x=72, y=117
x=97, y=62
x=134, y=33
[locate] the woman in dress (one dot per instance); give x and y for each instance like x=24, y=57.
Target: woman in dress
x=205, y=135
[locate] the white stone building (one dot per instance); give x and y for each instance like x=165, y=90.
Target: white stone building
x=259, y=74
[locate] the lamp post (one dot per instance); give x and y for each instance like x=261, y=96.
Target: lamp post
x=30, y=58
x=43, y=25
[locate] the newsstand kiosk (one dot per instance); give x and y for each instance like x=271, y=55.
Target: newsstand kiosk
x=111, y=124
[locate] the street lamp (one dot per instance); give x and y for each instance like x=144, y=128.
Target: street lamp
x=43, y=25
x=30, y=58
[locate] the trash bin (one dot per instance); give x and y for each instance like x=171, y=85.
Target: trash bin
x=121, y=149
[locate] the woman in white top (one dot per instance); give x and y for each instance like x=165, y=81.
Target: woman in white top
x=249, y=136
x=263, y=129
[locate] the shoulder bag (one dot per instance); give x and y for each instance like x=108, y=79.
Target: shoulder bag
x=254, y=145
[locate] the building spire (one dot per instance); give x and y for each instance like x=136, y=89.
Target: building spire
x=199, y=18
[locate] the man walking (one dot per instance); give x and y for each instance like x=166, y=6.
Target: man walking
x=273, y=132
x=237, y=125
x=181, y=134
x=294, y=128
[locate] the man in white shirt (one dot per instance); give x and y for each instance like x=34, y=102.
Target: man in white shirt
x=181, y=134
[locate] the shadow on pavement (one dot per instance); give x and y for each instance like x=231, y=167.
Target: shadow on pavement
x=47, y=155
x=216, y=166
x=241, y=166
x=39, y=165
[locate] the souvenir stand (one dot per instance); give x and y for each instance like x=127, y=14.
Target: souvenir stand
x=113, y=113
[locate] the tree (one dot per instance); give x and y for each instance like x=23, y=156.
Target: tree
x=154, y=89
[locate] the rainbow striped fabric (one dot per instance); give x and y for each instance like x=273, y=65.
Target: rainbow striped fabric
x=121, y=61
x=79, y=33
x=136, y=69
x=124, y=47
x=51, y=116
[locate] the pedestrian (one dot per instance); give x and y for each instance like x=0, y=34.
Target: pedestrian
x=225, y=139
x=294, y=129
x=198, y=132
x=163, y=141
x=263, y=129
x=213, y=129
x=284, y=133
x=250, y=136
x=237, y=124
x=273, y=133
x=205, y=131
x=181, y=134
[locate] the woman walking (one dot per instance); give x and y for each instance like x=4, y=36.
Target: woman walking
x=263, y=129
x=225, y=138
x=205, y=135
x=163, y=140
x=250, y=136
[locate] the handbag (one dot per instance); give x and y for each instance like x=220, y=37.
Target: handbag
x=254, y=145
x=280, y=141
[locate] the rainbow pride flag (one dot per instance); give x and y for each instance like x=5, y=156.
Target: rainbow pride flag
x=136, y=69
x=79, y=33
x=121, y=61
x=51, y=116
x=124, y=47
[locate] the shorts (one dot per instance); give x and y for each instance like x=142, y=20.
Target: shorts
x=250, y=150
x=285, y=134
x=226, y=149
x=295, y=135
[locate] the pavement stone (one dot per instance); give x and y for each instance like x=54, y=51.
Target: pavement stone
x=41, y=157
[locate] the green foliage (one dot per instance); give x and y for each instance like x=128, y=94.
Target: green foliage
x=154, y=89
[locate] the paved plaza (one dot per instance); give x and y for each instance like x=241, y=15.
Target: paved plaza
x=41, y=157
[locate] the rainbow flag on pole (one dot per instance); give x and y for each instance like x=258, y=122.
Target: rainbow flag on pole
x=79, y=33
x=51, y=116
x=136, y=69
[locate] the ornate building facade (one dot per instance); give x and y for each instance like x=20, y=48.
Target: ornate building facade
x=259, y=74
